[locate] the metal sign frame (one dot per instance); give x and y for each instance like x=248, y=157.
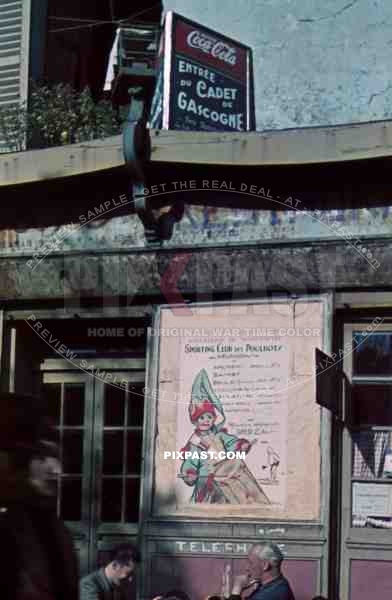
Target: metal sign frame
x=167, y=60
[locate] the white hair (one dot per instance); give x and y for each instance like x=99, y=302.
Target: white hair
x=270, y=552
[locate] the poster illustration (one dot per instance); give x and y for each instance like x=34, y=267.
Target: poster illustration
x=248, y=397
x=216, y=479
x=234, y=436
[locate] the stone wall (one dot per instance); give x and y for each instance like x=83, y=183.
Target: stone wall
x=295, y=268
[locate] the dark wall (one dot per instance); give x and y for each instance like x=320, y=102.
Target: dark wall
x=38, y=27
x=79, y=55
x=201, y=576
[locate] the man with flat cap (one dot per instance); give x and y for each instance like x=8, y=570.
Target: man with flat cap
x=38, y=558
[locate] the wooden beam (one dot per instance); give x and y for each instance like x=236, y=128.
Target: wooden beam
x=306, y=146
x=287, y=147
x=62, y=161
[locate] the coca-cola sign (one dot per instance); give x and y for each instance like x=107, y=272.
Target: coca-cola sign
x=205, y=81
x=209, y=45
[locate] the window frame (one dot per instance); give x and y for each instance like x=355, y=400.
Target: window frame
x=90, y=535
x=108, y=527
x=355, y=536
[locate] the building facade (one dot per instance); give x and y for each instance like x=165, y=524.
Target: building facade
x=76, y=313
x=281, y=245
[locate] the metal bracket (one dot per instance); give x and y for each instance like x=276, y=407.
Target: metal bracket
x=158, y=223
x=136, y=136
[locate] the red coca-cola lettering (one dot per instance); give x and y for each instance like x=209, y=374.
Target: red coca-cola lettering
x=209, y=45
x=199, y=41
x=224, y=52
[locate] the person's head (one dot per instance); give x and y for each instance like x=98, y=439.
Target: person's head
x=264, y=561
x=45, y=467
x=175, y=595
x=202, y=410
x=23, y=423
x=205, y=421
x=122, y=564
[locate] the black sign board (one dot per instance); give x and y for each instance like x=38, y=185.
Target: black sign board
x=204, y=81
x=333, y=387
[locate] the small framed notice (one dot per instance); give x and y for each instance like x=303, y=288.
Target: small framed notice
x=372, y=499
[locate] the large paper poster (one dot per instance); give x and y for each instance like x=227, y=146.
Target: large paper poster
x=238, y=429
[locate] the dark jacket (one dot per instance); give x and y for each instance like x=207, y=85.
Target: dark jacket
x=96, y=586
x=38, y=559
x=278, y=589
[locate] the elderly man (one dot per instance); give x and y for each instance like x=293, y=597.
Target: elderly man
x=113, y=580
x=264, y=575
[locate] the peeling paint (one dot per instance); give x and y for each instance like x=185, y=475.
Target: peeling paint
x=203, y=226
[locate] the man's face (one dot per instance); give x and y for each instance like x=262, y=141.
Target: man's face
x=44, y=472
x=256, y=566
x=122, y=572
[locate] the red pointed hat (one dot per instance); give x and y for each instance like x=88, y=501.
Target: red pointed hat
x=205, y=407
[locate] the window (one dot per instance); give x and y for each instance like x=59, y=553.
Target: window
x=66, y=404
x=122, y=452
x=371, y=433
x=99, y=429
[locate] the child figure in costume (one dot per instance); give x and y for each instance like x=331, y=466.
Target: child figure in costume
x=207, y=415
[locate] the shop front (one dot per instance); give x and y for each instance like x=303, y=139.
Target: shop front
x=128, y=341
x=315, y=484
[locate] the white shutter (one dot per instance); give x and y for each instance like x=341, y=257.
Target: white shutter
x=14, y=53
